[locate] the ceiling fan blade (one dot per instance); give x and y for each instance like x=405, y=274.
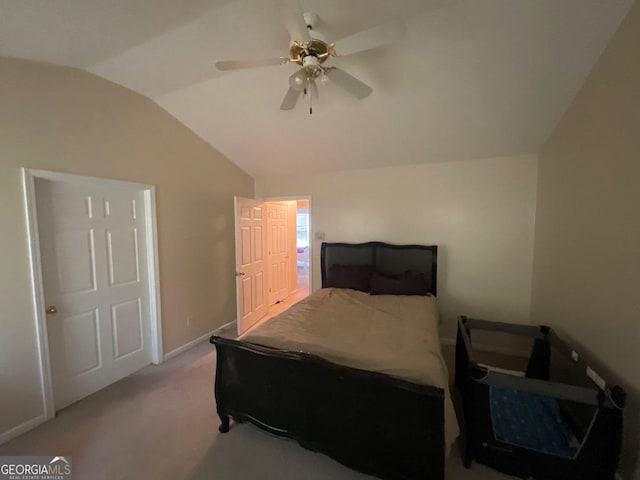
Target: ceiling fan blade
x=292, y=18
x=350, y=83
x=290, y=99
x=371, y=38
x=239, y=64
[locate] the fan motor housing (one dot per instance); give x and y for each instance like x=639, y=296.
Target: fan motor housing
x=314, y=47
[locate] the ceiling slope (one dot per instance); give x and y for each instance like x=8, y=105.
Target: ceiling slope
x=469, y=79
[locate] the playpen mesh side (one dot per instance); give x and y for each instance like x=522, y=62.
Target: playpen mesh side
x=533, y=434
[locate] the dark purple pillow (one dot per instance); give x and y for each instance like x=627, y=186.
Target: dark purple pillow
x=408, y=283
x=355, y=277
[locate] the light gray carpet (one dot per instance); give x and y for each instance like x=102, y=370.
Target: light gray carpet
x=160, y=423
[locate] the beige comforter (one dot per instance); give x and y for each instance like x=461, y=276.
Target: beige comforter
x=395, y=335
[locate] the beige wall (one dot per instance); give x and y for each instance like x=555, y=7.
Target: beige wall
x=66, y=120
x=480, y=213
x=587, y=250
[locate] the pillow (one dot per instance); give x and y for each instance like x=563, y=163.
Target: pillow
x=407, y=283
x=355, y=277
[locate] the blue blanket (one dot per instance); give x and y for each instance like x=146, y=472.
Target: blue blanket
x=531, y=421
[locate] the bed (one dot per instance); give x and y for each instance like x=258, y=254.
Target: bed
x=353, y=396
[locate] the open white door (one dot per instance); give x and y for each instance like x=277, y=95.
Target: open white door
x=251, y=262
x=278, y=257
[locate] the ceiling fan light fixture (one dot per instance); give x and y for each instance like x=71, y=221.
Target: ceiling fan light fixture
x=298, y=80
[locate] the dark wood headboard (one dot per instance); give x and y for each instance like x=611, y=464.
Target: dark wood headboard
x=385, y=258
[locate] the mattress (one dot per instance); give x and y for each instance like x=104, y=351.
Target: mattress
x=530, y=421
x=391, y=334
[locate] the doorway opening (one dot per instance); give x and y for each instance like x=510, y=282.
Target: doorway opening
x=274, y=257
x=299, y=258
x=303, y=240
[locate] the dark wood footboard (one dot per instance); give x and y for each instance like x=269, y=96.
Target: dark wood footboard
x=370, y=422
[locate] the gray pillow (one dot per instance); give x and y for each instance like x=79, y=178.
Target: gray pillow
x=355, y=277
x=407, y=283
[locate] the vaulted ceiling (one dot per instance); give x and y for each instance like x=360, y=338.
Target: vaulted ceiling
x=470, y=79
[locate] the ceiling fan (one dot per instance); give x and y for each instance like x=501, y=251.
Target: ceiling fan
x=310, y=49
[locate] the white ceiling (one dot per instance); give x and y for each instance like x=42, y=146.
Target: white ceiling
x=471, y=78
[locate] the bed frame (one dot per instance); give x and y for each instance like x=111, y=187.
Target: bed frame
x=371, y=422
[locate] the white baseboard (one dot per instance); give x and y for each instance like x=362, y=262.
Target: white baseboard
x=20, y=429
x=224, y=327
x=189, y=345
x=484, y=347
x=34, y=422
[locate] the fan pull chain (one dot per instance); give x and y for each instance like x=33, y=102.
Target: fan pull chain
x=309, y=91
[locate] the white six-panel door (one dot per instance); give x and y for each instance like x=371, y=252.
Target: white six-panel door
x=278, y=254
x=251, y=262
x=94, y=267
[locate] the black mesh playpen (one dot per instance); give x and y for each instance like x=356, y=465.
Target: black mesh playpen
x=557, y=419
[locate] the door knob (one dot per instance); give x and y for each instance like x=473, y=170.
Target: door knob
x=52, y=309
x=239, y=274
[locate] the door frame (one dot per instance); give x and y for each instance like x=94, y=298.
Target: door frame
x=311, y=239
x=29, y=177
